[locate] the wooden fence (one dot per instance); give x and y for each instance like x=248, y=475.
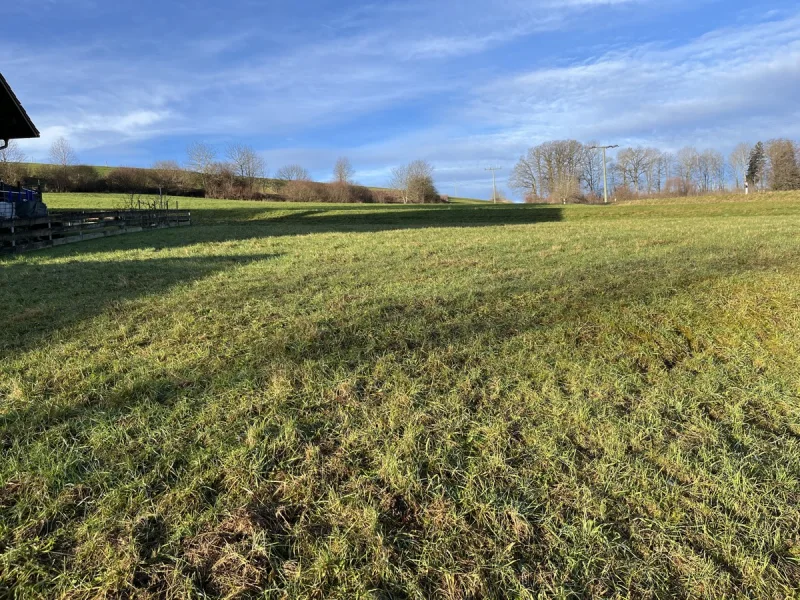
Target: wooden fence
x=58, y=228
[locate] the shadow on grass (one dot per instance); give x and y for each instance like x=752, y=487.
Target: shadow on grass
x=236, y=224
x=39, y=299
x=360, y=336
x=349, y=342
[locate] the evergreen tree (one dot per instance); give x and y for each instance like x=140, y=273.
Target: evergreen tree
x=758, y=160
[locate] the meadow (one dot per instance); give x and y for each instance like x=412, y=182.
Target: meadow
x=461, y=401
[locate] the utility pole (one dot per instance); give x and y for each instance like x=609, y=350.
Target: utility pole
x=605, y=176
x=494, y=182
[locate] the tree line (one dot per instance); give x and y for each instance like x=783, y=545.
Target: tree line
x=568, y=171
x=237, y=173
x=556, y=171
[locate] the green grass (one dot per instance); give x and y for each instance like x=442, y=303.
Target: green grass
x=37, y=168
x=367, y=401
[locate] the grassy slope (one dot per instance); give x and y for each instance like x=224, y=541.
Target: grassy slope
x=454, y=401
x=37, y=167
x=269, y=182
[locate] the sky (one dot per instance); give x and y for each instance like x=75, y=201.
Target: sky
x=462, y=84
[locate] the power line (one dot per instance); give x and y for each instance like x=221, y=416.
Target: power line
x=494, y=182
x=605, y=177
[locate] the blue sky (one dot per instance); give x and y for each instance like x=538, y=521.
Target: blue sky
x=463, y=84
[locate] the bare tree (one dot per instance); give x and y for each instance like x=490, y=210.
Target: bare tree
x=633, y=164
x=420, y=176
x=414, y=182
x=652, y=172
x=202, y=159
x=399, y=182
x=783, y=172
x=739, y=161
x=592, y=173
x=343, y=171
x=665, y=167
x=686, y=168
x=246, y=163
x=524, y=176
x=293, y=173
x=62, y=153
x=12, y=168
x=63, y=156
x=167, y=175
x=719, y=169
x=566, y=186
x=556, y=168
x=710, y=170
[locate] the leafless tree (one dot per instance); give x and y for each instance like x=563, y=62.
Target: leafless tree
x=399, y=181
x=652, y=169
x=168, y=175
x=343, y=171
x=564, y=159
x=783, y=172
x=665, y=166
x=566, y=186
x=739, y=161
x=420, y=175
x=555, y=168
x=12, y=168
x=202, y=159
x=246, y=163
x=293, y=173
x=63, y=156
x=686, y=168
x=524, y=176
x=62, y=153
x=612, y=171
x=414, y=182
x=634, y=164
x=592, y=161
x=708, y=166
x=719, y=169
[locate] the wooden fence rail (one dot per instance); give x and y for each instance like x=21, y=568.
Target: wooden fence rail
x=23, y=235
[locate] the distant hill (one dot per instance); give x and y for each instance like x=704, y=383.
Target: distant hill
x=38, y=170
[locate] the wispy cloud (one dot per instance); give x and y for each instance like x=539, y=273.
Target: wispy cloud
x=725, y=82
x=459, y=83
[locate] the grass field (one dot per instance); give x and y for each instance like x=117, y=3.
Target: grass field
x=459, y=401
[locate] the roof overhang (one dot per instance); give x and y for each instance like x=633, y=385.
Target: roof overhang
x=15, y=124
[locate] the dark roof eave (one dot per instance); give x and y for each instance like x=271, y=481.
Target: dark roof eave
x=30, y=128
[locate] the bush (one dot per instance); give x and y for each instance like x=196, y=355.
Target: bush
x=13, y=173
x=359, y=194
x=128, y=180
x=305, y=191
x=84, y=178
x=386, y=197
x=344, y=193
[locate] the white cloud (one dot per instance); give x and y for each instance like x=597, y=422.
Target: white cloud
x=726, y=82
x=272, y=82
x=721, y=88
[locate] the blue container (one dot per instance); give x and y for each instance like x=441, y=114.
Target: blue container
x=6, y=210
